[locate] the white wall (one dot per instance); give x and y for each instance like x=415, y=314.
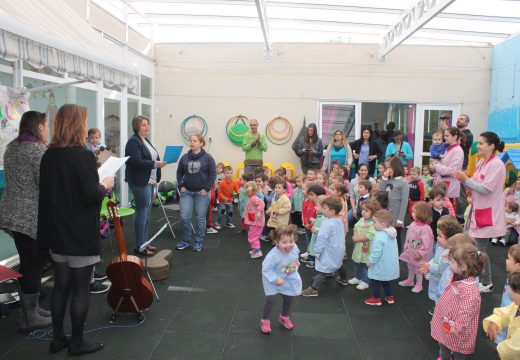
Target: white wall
x=217, y=81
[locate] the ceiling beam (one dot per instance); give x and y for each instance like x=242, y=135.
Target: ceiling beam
x=264, y=23
x=409, y=22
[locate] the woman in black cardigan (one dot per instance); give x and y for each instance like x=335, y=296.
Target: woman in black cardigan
x=143, y=172
x=364, y=155
x=68, y=223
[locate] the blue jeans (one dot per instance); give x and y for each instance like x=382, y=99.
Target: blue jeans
x=361, y=271
x=143, y=196
x=189, y=201
x=227, y=209
x=376, y=288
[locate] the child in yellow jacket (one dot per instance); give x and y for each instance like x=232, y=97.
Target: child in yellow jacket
x=508, y=316
x=280, y=209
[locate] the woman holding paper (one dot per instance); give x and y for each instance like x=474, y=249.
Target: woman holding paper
x=68, y=223
x=143, y=172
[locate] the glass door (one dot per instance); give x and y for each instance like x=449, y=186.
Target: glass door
x=344, y=116
x=428, y=123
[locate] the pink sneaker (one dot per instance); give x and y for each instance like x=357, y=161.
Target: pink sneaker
x=417, y=289
x=286, y=322
x=406, y=283
x=265, y=326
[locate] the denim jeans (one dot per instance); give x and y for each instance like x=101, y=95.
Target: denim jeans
x=361, y=272
x=189, y=201
x=143, y=196
x=376, y=288
x=227, y=209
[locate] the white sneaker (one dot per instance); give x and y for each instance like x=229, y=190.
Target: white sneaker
x=362, y=286
x=230, y=226
x=217, y=226
x=305, y=255
x=256, y=255
x=300, y=231
x=485, y=288
x=354, y=281
x=502, y=242
x=211, y=231
x=494, y=241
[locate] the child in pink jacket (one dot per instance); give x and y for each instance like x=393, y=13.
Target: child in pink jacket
x=418, y=246
x=254, y=216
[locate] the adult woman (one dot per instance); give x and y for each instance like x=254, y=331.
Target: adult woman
x=339, y=150
x=362, y=174
x=68, y=223
x=511, y=194
x=452, y=161
x=196, y=175
x=486, y=218
x=395, y=185
x=143, y=172
x=310, y=149
x=366, y=151
x=399, y=148
x=19, y=211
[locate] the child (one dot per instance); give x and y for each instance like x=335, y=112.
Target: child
x=309, y=214
x=512, y=220
x=469, y=199
x=406, y=173
x=226, y=189
x=381, y=197
x=280, y=276
x=416, y=186
x=280, y=207
x=341, y=192
x=94, y=139
x=220, y=174
x=323, y=180
x=364, y=188
x=512, y=267
x=380, y=168
x=282, y=173
x=383, y=261
x=441, y=185
x=311, y=175
x=438, y=200
x=255, y=218
x=364, y=232
x=296, y=205
x=344, y=171
x=438, y=147
x=455, y=322
x=507, y=317
x=329, y=247
x=427, y=180
x=418, y=245
x=243, y=199
x=315, y=230
x=446, y=228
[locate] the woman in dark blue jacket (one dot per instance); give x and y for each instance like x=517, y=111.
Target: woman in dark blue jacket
x=143, y=172
x=196, y=175
x=366, y=151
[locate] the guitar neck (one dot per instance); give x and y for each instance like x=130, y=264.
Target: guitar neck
x=121, y=244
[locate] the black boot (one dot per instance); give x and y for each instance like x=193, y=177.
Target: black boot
x=85, y=347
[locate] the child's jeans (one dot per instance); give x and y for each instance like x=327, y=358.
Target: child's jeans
x=376, y=288
x=296, y=218
x=447, y=354
x=319, y=278
x=253, y=236
x=225, y=208
x=361, y=272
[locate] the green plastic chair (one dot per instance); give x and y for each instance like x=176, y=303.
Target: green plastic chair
x=123, y=212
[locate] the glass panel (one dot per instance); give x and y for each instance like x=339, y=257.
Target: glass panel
x=431, y=123
x=146, y=87
x=133, y=109
x=146, y=110
x=337, y=117
x=113, y=135
x=6, y=79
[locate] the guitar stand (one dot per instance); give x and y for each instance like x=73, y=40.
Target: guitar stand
x=147, y=273
x=127, y=294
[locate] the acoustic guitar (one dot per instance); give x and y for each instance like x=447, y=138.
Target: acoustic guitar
x=130, y=292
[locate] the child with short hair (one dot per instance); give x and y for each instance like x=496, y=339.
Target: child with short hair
x=323, y=180
x=315, y=230
x=280, y=276
x=280, y=207
x=329, y=247
x=220, y=173
x=507, y=318
x=282, y=173
x=309, y=215
x=243, y=199
x=363, y=190
x=311, y=175
x=226, y=189
x=94, y=139
x=427, y=180
x=364, y=232
x=418, y=245
x=441, y=185
x=438, y=201
x=447, y=227
x=512, y=220
x=438, y=147
x=255, y=218
x=381, y=197
x=296, y=205
x=383, y=261
x=416, y=192
x=454, y=324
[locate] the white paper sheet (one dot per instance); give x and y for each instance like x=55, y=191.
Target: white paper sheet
x=111, y=166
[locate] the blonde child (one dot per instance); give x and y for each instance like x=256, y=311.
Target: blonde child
x=427, y=180
x=416, y=192
x=364, y=232
x=447, y=227
x=418, y=245
x=438, y=147
x=296, y=205
x=507, y=318
x=220, y=174
x=282, y=173
x=94, y=139
x=280, y=209
x=455, y=322
x=323, y=180
x=226, y=189
x=383, y=261
x=309, y=215
x=280, y=276
x=329, y=247
x=255, y=218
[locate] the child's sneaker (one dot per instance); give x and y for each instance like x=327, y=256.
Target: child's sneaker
x=210, y=230
x=341, y=281
x=304, y=256
x=230, y=226
x=362, y=286
x=300, y=231
x=390, y=299
x=286, y=322
x=310, y=292
x=372, y=301
x=217, y=226
x=257, y=254
x=417, y=289
x=502, y=242
x=354, y=281
x=494, y=241
x=427, y=276
x=406, y=283
x=310, y=264
x=265, y=326
x=485, y=288
x=264, y=238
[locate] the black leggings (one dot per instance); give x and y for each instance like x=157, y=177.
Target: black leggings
x=74, y=282
x=270, y=300
x=32, y=259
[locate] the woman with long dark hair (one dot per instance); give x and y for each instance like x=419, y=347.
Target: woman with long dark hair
x=338, y=149
x=19, y=211
x=68, y=223
x=366, y=151
x=310, y=149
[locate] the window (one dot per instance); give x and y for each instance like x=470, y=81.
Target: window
x=337, y=116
